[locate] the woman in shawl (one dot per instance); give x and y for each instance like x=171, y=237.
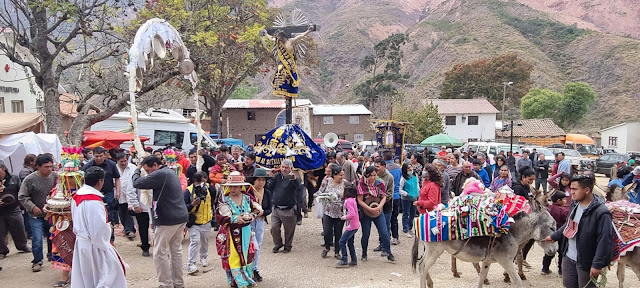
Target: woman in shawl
x=236, y=210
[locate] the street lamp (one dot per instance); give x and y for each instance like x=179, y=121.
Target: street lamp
x=504, y=97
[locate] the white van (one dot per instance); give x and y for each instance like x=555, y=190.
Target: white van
x=162, y=126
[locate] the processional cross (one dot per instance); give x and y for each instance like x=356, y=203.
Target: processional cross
x=287, y=34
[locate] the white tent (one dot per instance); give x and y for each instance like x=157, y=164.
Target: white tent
x=13, y=148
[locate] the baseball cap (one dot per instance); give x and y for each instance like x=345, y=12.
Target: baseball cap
x=443, y=147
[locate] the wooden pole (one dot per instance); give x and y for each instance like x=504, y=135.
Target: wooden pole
x=288, y=111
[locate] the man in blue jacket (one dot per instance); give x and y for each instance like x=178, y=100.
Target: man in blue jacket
x=590, y=249
x=392, y=218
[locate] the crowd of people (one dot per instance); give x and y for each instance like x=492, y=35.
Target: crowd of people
x=232, y=195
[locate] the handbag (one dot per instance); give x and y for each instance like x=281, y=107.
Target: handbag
x=319, y=209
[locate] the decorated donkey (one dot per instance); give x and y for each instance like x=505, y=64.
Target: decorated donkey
x=538, y=224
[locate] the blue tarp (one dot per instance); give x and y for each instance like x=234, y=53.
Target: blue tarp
x=289, y=142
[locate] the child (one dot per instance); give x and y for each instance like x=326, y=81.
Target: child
x=353, y=223
x=559, y=212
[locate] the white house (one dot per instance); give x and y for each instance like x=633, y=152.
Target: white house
x=623, y=138
x=18, y=90
x=467, y=119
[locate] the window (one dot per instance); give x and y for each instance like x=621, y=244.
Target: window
x=605, y=158
x=17, y=106
x=354, y=119
x=613, y=141
x=1, y=104
x=358, y=137
x=164, y=138
x=473, y=120
x=450, y=120
x=327, y=120
x=186, y=113
x=251, y=115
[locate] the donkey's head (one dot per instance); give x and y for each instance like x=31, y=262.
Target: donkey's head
x=542, y=223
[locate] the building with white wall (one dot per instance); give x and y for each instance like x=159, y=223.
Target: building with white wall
x=18, y=90
x=623, y=138
x=467, y=119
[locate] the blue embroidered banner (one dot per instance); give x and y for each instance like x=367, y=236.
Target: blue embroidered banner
x=390, y=136
x=289, y=142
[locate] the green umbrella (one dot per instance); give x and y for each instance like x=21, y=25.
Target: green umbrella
x=441, y=139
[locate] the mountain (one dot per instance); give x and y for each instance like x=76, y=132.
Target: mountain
x=566, y=41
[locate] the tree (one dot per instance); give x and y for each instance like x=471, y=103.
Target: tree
x=378, y=84
x=426, y=122
x=578, y=97
x=541, y=103
x=76, y=44
x=223, y=39
x=566, y=109
x=484, y=78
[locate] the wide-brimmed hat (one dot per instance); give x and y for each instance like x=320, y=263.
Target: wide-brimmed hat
x=235, y=178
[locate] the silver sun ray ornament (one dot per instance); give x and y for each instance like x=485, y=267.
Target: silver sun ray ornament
x=292, y=24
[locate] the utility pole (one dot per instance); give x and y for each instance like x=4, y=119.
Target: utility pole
x=511, y=148
x=504, y=98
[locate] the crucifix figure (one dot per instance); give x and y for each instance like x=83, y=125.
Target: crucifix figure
x=287, y=36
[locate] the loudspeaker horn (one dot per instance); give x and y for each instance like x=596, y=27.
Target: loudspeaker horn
x=331, y=140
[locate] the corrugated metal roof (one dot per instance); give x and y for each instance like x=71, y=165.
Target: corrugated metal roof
x=262, y=103
x=462, y=106
x=533, y=128
x=339, y=109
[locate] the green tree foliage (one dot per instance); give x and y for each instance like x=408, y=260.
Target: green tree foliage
x=541, y=103
x=387, y=57
x=223, y=39
x=566, y=109
x=425, y=122
x=578, y=97
x=483, y=79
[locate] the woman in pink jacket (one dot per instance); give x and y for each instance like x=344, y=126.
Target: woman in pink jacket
x=430, y=195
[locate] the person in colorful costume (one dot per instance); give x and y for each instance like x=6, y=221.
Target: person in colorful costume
x=171, y=160
x=236, y=209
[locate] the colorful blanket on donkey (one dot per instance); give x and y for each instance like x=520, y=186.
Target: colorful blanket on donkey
x=471, y=216
x=626, y=224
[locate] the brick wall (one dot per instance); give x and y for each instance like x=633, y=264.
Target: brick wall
x=342, y=127
x=265, y=120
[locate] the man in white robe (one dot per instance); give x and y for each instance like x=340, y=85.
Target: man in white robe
x=95, y=261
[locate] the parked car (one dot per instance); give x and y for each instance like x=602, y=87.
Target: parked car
x=575, y=158
x=605, y=162
x=414, y=148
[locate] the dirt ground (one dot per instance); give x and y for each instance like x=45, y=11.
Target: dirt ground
x=303, y=267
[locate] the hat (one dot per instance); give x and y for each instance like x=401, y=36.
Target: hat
x=260, y=173
x=443, y=147
x=235, y=178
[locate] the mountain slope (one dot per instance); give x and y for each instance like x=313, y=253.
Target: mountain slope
x=446, y=32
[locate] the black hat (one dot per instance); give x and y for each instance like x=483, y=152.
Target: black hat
x=557, y=196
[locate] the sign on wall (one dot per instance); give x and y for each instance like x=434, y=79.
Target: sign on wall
x=299, y=116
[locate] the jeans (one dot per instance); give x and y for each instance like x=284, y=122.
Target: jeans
x=573, y=276
x=332, y=228
x=393, y=221
x=125, y=218
x=543, y=183
x=112, y=212
x=347, y=240
x=143, y=228
x=381, y=225
x=387, y=223
x=39, y=228
x=27, y=223
x=198, y=236
x=408, y=211
x=257, y=226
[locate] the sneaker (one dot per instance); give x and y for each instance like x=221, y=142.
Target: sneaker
x=324, y=253
x=192, y=268
x=337, y=256
x=409, y=235
x=306, y=215
x=145, y=254
x=256, y=276
x=299, y=222
x=377, y=249
x=36, y=267
x=545, y=272
x=384, y=254
x=342, y=264
x=204, y=262
x=131, y=235
x=276, y=249
x=353, y=263
x=526, y=264
x=395, y=241
x=391, y=258
x=364, y=257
